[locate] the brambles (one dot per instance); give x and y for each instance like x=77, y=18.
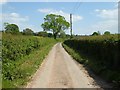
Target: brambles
x=15, y=47
x=21, y=56
x=28, y=31
x=102, y=53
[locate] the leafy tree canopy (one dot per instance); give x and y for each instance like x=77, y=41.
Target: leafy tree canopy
x=96, y=33
x=43, y=34
x=62, y=34
x=11, y=28
x=28, y=31
x=106, y=33
x=55, y=23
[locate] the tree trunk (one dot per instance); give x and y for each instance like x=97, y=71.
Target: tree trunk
x=55, y=36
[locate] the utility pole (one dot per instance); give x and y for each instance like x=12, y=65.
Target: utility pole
x=71, y=25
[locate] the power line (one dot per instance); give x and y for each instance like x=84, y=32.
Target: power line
x=79, y=4
x=76, y=7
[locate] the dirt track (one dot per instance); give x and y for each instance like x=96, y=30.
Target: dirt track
x=59, y=70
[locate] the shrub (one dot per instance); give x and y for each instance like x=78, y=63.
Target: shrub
x=102, y=51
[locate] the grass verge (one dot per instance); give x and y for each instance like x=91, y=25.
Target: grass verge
x=74, y=54
x=27, y=67
x=98, y=69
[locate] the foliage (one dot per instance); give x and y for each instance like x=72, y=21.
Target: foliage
x=43, y=34
x=21, y=56
x=96, y=33
x=28, y=31
x=55, y=23
x=50, y=35
x=62, y=34
x=107, y=33
x=11, y=28
x=72, y=52
x=102, y=54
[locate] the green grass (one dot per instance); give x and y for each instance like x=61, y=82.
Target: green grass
x=27, y=67
x=75, y=54
x=22, y=55
x=0, y=74
x=96, y=66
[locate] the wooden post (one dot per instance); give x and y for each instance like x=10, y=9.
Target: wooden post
x=71, y=25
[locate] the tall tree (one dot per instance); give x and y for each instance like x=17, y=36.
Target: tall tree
x=55, y=23
x=62, y=34
x=43, y=34
x=106, y=33
x=28, y=31
x=96, y=33
x=11, y=28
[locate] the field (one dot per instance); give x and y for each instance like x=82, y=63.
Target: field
x=21, y=57
x=100, y=53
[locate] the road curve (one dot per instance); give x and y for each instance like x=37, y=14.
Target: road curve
x=59, y=70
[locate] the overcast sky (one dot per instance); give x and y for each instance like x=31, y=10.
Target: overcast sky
x=87, y=16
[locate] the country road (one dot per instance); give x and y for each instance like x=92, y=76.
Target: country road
x=59, y=70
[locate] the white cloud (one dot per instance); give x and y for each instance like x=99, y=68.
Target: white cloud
x=14, y=15
x=116, y=5
x=3, y=1
x=60, y=12
x=97, y=10
x=109, y=20
x=106, y=25
x=15, y=18
x=107, y=14
x=45, y=10
x=102, y=26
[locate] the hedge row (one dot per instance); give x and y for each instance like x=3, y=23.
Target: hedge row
x=15, y=48
x=103, y=53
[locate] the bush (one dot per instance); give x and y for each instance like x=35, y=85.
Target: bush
x=14, y=49
x=102, y=51
x=12, y=28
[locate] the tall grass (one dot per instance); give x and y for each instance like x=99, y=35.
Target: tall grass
x=21, y=57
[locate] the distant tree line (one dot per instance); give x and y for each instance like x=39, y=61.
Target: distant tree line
x=98, y=33
x=14, y=29
x=56, y=24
